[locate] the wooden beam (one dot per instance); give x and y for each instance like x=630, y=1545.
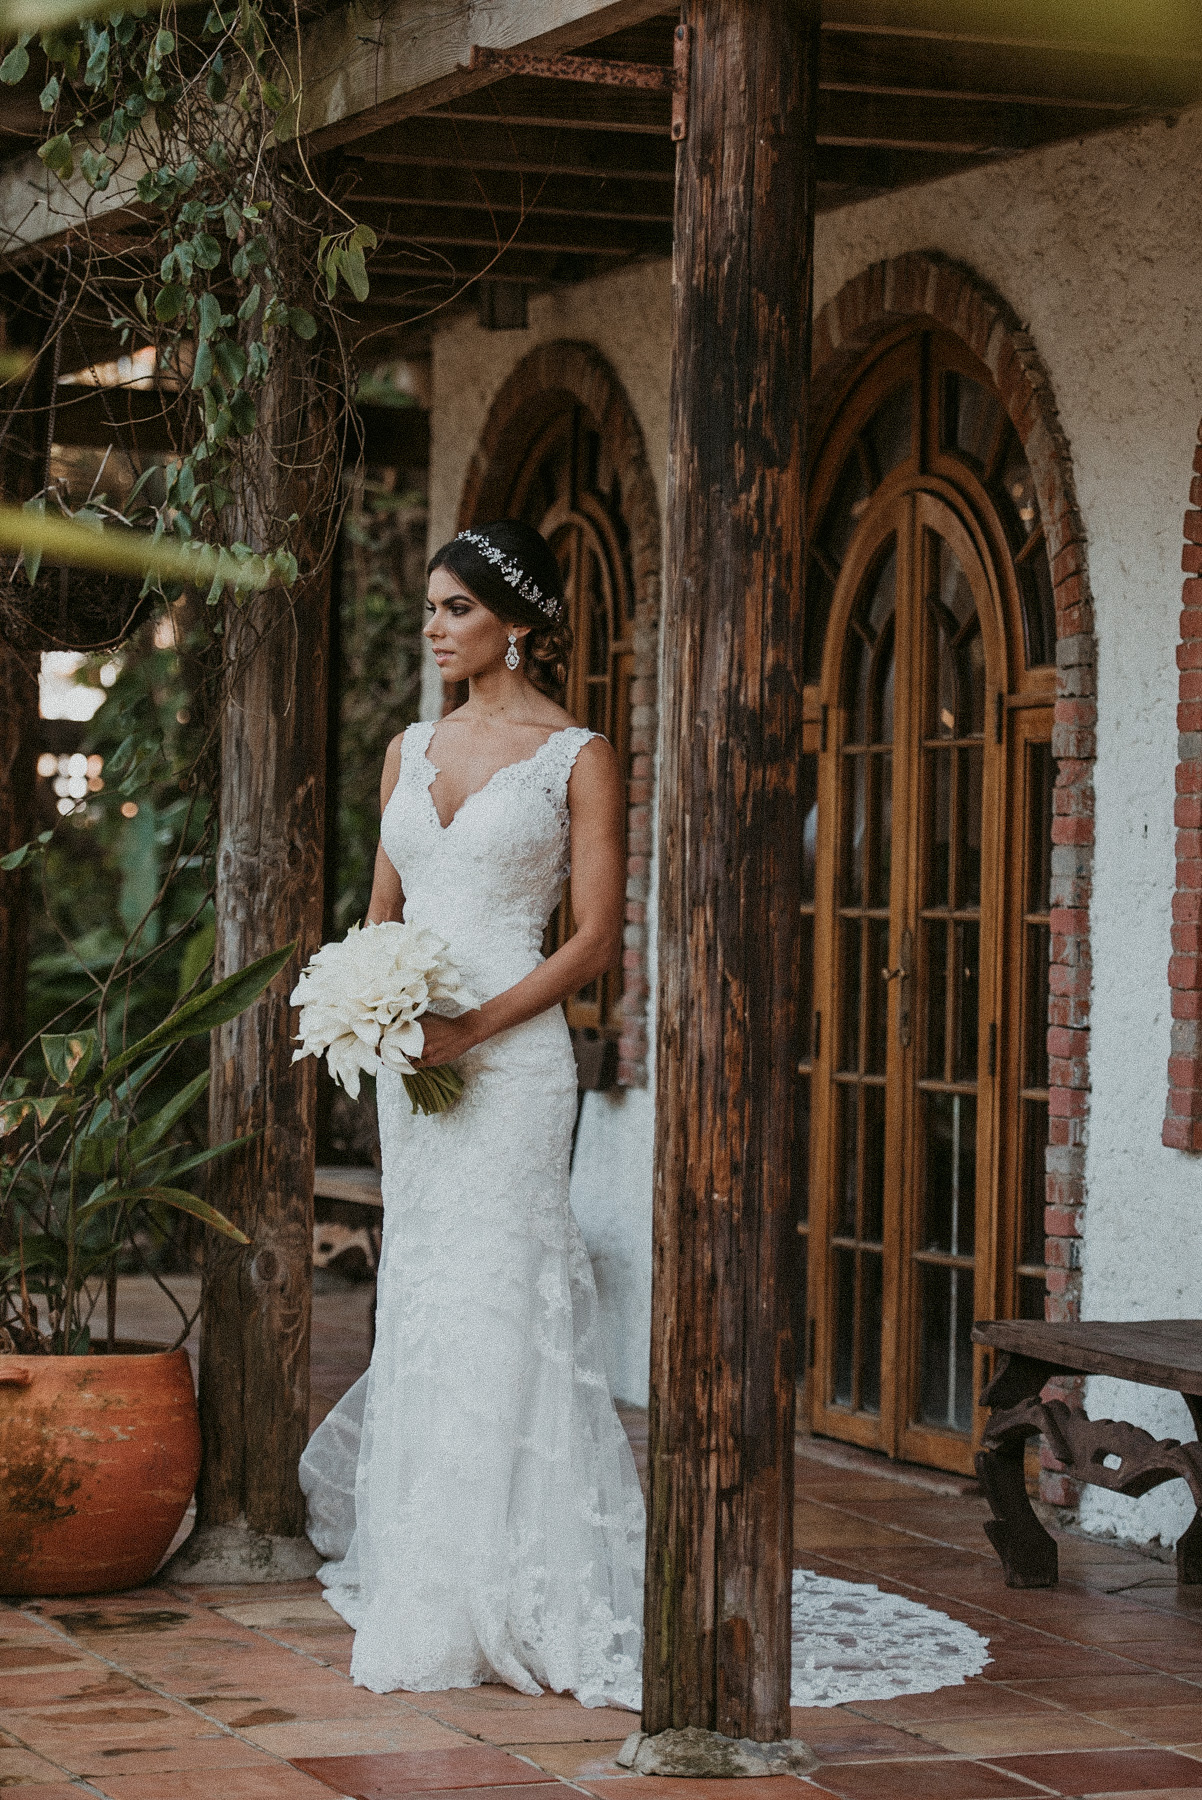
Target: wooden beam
x=1134, y=28
x=536, y=232
x=37, y=209
x=717, y=1650
x=367, y=66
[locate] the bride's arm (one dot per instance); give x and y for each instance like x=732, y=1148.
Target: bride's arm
x=598, y=886
x=387, y=900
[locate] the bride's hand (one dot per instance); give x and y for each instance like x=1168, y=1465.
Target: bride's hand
x=445, y=1039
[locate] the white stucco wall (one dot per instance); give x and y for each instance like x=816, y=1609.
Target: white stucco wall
x=625, y=317
x=1092, y=244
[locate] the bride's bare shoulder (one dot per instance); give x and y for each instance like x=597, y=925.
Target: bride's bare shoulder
x=392, y=769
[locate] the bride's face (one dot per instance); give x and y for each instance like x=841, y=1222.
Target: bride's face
x=465, y=637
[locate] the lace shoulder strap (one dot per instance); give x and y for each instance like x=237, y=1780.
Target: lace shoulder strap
x=560, y=751
x=415, y=741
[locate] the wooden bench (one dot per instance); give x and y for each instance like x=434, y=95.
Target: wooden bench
x=1163, y=1353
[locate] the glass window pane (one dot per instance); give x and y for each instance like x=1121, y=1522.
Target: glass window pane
x=845, y=1326
x=971, y=415
x=871, y=1298
x=1040, y=776
x=855, y=777
x=945, y=1355
x=970, y=786
x=890, y=430
x=844, y=510
x=939, y=849
x=847, y=1167
x=1036, y=946
x=1039, y=608
x=877, y=994
x=933, y=973
x=966, y=969
x=872, y=1227
x=950, y=1172
x=882, y=830
x=1013, y=491
x=848, y=1055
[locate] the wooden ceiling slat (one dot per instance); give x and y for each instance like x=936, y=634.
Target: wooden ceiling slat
x=1139, y=28
x=552, y=195
x=436, y=142
x=431, y=225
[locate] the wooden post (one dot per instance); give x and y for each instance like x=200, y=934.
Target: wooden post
x=254, y=1361
x=722, y=1369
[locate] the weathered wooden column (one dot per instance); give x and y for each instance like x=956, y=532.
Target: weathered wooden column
x=722, y=1371
x=254, y=1362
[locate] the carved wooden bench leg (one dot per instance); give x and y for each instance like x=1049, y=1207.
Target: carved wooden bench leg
x=1028, y=1553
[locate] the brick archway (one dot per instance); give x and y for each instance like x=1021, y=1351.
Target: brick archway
x=1183, y=1116
x=926, y=285
x=533, y=392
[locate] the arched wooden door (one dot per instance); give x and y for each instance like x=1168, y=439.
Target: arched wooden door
x=929, y=637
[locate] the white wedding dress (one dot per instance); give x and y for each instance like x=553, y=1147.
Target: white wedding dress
x=474, y=1492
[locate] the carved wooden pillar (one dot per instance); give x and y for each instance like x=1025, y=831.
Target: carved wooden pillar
x=722, y=1367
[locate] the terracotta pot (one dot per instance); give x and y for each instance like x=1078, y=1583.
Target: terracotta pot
x=98, y=1459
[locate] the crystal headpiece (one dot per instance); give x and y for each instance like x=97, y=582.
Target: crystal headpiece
x=513, y=573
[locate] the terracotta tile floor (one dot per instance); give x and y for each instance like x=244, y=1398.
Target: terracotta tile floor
x=176, y=1693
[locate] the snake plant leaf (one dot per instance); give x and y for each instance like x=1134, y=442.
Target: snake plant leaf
x=178, y=1198
x=206, y=1011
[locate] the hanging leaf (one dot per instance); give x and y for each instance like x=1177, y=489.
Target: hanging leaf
x=177, y=1198
x=15, y=66
x=302, y=322
x=206, y=1011
x=68, y=1054
x=48, y=98
x=58, y=156
x=16, y=859
x=168, y=301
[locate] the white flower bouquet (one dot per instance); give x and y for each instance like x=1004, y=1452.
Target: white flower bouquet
x=361, y=1003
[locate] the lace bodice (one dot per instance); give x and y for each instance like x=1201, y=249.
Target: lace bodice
x=489, y=881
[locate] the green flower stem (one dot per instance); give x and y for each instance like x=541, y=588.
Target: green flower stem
x=433, y=1090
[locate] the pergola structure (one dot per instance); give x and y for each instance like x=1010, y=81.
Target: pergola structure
x=489, y=167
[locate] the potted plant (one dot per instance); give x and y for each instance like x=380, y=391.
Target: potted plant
x=99, y=1441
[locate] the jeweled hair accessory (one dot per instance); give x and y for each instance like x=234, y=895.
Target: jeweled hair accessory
x=513, y=573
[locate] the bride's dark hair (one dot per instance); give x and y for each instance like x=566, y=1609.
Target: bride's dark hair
x=519, y=547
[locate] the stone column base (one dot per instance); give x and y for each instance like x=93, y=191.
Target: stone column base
x=236, y=1554
x=693, y=1751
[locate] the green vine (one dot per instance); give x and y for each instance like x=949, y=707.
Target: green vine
x=246, y=249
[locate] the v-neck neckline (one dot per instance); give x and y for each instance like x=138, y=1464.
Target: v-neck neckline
x=436, y=771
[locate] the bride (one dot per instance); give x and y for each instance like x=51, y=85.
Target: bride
x=474, y=1492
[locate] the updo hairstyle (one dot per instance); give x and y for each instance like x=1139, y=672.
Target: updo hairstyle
x=548, y=648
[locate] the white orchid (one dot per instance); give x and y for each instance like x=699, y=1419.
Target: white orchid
x=361, y=1002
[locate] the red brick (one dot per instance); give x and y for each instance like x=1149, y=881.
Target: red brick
x=1076, y=712
x=1180, y=1134
x=1072, y=831
x=1067, y=1043
x=1187, y=905
x=1185, y=1103
x=1189, y=777
x=1069, y=921
x=1074, y=982
x=1062, y=1221
x=1191, y=559
x=1185, y=971
x=1189, y=651
x=1189, y=846
x=1190, y=684
x=1189, y=877
x=1187, y=939
x=1066, y=1102
x=1193, y=525
x=1186, y=1003
x=1184, y=1072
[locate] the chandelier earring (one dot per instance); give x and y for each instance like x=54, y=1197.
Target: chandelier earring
x=512, y=655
